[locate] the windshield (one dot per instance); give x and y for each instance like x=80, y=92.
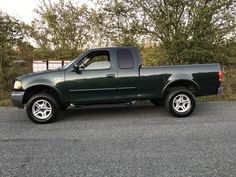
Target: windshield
x=69, y=64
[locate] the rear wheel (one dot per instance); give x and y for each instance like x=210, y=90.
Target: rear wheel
x=180, y=102
x=42, y=108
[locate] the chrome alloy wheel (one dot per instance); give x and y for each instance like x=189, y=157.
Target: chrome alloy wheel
x=181, y=103
x=42, y=109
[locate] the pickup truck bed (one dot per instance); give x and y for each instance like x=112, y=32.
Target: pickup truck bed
x=203, y=77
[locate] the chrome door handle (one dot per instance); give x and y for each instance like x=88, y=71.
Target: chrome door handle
x=110, y=75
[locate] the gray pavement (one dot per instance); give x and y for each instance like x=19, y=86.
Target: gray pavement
x=132, y=141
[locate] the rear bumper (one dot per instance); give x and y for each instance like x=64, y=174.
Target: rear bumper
x=220, y=90
x=17, y=98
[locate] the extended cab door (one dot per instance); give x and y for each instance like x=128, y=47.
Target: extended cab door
x=128, y=63
x=95, y=82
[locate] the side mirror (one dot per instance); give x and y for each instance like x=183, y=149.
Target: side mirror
x=76, y=68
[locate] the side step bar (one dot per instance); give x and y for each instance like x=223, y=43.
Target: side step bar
x=103, y=105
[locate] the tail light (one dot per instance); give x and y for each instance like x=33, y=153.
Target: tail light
x=220, y=75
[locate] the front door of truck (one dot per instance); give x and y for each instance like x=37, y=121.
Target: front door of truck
x=95, y=81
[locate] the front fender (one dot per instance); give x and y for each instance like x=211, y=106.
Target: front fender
x=52, y=80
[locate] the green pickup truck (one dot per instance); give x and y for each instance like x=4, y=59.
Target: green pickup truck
x=111, y=76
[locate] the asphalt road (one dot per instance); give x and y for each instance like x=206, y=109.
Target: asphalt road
x=135, y=141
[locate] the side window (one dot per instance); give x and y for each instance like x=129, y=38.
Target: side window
x=125, y=59
x=96, y=60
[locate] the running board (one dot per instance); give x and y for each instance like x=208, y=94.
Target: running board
x=103, y=105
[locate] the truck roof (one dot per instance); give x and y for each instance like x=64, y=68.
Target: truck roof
x=125, y=47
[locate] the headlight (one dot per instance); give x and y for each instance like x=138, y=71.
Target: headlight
x=18, y=85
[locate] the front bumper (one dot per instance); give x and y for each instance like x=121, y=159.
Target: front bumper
x=17, y=98
x=220, y=90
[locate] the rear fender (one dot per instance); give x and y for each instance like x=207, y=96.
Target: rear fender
x=180, y=80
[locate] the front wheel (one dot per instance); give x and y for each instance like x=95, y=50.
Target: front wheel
x=42, y=108
x=180, y=102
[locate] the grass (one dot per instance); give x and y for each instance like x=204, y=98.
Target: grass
x=5, y=102
x=223, y=97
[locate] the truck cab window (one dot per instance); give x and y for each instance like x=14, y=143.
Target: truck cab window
x=96, y=61
x=125, y=59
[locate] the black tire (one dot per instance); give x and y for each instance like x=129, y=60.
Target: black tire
x=172, y=103
x=51, y=102
x=157, y=102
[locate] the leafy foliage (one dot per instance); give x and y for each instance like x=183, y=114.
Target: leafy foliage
x=189, y=31
x=61, y=29
x=11, y=34
x=185, y=31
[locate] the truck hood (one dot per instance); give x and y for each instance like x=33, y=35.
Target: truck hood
x=27, y=75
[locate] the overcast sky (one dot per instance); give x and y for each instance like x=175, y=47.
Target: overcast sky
x=23, y=9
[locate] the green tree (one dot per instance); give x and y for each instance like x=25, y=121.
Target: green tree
x=11, y=34
x=60, y=29
x=189, y=31
x=115, y=23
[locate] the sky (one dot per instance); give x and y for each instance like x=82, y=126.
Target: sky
x=23, y=9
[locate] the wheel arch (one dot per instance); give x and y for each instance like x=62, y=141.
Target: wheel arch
x=42, y=88
x=191, y=85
